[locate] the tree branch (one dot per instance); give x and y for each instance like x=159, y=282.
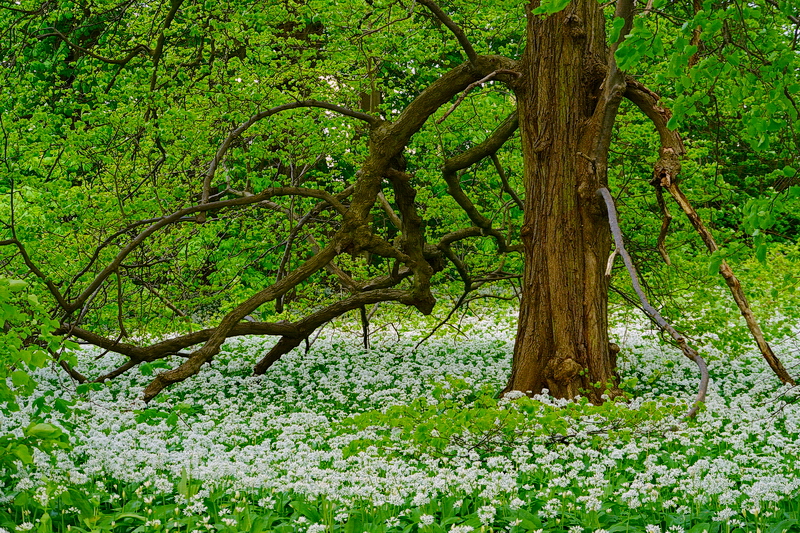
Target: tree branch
x=306, y=327
x=199, y=357
x=649, y=309
x=470, y=157
x=506, y=185
x=795, y=20
x=453, y=27
x=178, y=215
x=138, y=49
x=223, y=148
x=665, y=175
x=666, y=219
x=472, y=86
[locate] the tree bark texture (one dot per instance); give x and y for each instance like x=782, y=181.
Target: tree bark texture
x=562, y=340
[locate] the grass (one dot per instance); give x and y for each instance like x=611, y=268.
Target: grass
x=396, y=440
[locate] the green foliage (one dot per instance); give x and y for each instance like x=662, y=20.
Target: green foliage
x=460, y=419
x=25, y=340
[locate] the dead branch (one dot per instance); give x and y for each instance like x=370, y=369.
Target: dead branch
x=666, y=218
x=688, y=351
x=665, y=175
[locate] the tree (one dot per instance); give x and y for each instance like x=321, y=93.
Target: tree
x=163, y=159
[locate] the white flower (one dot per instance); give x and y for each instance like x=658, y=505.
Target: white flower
x=41, y=496
x=486, y=514
x=316, y=528
x=652, y=529
x=461, y=529
x=426, y=519
x=393, y=522
x=266, y=502
x=25, y=526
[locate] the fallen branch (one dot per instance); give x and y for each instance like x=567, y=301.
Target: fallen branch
x=687, y=350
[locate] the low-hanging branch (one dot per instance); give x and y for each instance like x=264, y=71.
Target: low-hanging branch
x=687, y=350
x=665, y=175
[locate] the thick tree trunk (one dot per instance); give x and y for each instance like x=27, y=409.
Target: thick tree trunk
x=562, y=341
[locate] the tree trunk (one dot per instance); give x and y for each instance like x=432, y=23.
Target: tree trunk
x=562, y=341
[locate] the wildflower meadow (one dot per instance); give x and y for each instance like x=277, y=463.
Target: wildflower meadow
x=402, y=439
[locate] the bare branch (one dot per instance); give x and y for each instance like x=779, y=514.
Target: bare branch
x=665, y=175
x=687, y=350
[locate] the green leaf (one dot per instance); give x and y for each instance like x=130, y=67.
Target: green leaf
x=43, y=431
x=673, y=122
x=714, y=264
x=789, y=171
x=761, y=252
x=616, y=28
x=20, y=378
x=23, y=453
x=16, y=285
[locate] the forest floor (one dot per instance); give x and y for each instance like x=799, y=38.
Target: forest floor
x=398, y=439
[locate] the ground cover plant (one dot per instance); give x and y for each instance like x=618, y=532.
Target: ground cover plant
x=393, y=439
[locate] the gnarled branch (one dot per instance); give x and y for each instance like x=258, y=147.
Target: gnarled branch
x=665, y=175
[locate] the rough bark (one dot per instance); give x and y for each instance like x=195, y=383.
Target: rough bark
x=562, y=340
